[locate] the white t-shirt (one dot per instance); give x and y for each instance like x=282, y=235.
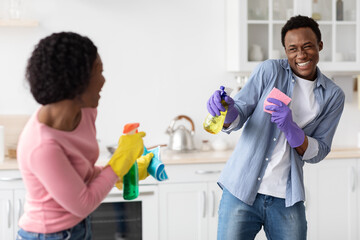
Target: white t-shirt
x=304, y=109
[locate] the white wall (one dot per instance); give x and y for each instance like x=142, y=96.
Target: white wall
x=162, y=58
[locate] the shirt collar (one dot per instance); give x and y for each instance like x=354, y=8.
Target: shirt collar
x=320, y=77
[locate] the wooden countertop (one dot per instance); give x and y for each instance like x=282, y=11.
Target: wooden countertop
x=8, y=164
x=344, y=153
x=171, y=157
x=196, y=157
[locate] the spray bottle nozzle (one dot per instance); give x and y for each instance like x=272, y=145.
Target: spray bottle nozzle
x=223, y=93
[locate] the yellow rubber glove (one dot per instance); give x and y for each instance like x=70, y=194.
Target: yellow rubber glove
x=143, y=163
x=130, y=148
x=119, y=184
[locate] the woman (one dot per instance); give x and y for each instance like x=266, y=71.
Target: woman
x=57, y=149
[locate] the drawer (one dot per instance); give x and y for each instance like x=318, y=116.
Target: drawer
x=193, y=172
x=10, y=179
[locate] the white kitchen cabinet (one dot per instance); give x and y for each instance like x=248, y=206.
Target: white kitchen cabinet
x=332, y=207
x=189, y=202
x=6, y=214
x=214, y=193
x=12, y=197
x=253, y=25
x=332, y=193
x=332, y=190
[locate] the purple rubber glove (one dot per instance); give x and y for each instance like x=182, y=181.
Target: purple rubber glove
x=214, y=107
x=283, y=118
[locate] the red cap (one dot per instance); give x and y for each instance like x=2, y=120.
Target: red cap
x=130, y=127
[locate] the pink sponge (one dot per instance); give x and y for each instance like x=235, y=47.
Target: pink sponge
x=277, y=94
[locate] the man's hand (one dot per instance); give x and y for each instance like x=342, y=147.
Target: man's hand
x=215, y=106
x=282, y=116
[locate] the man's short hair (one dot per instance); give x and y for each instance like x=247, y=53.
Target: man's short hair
x=300, y=22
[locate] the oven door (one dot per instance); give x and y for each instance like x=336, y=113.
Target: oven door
x=119, y=219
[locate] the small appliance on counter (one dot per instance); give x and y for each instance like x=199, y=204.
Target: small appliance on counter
x=181, y=138
x=220, y=144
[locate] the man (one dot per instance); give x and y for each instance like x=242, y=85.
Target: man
x=262, y=181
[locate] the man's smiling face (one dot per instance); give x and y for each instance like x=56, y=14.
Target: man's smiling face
x=302, y=50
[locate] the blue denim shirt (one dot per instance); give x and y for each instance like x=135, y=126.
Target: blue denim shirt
x=246, y=166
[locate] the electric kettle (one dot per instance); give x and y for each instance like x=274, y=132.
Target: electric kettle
x=181, y=139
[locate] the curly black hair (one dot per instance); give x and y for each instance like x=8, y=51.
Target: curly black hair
x=59, y=67
x=300, y=22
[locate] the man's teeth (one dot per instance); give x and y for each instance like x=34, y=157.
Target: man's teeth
x=303, y=64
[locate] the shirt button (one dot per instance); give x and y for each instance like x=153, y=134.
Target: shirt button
x=259, y=179
x=293, y=80
x=266, y=159
x=274, y=139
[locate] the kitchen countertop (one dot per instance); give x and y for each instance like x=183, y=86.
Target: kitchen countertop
x=9, y=164
x=169, y=157
x=196, y=157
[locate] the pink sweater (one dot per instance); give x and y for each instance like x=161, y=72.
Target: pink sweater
x=63, y=185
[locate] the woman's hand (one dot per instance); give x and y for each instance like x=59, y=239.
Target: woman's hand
x=130, y=147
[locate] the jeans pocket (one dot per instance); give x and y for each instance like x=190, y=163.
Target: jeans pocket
x=25, y=235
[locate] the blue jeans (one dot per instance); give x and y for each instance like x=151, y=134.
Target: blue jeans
x=240, y=221
x=81, y=231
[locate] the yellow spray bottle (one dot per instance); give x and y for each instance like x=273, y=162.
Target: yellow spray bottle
x=214, y=124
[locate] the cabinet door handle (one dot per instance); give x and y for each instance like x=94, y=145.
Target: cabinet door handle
x=353, y=179
x=141, y=193
x=307, y=196
x=145, y=193
x=9, y=213
x=207, y=172
x=204, y=204
x=213, y=203
x=20, y=208
x=6, y=179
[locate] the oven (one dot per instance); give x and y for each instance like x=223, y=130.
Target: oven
x=119, y=219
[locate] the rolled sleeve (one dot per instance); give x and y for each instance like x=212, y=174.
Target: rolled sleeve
x=232, y=126
x=312, y=149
